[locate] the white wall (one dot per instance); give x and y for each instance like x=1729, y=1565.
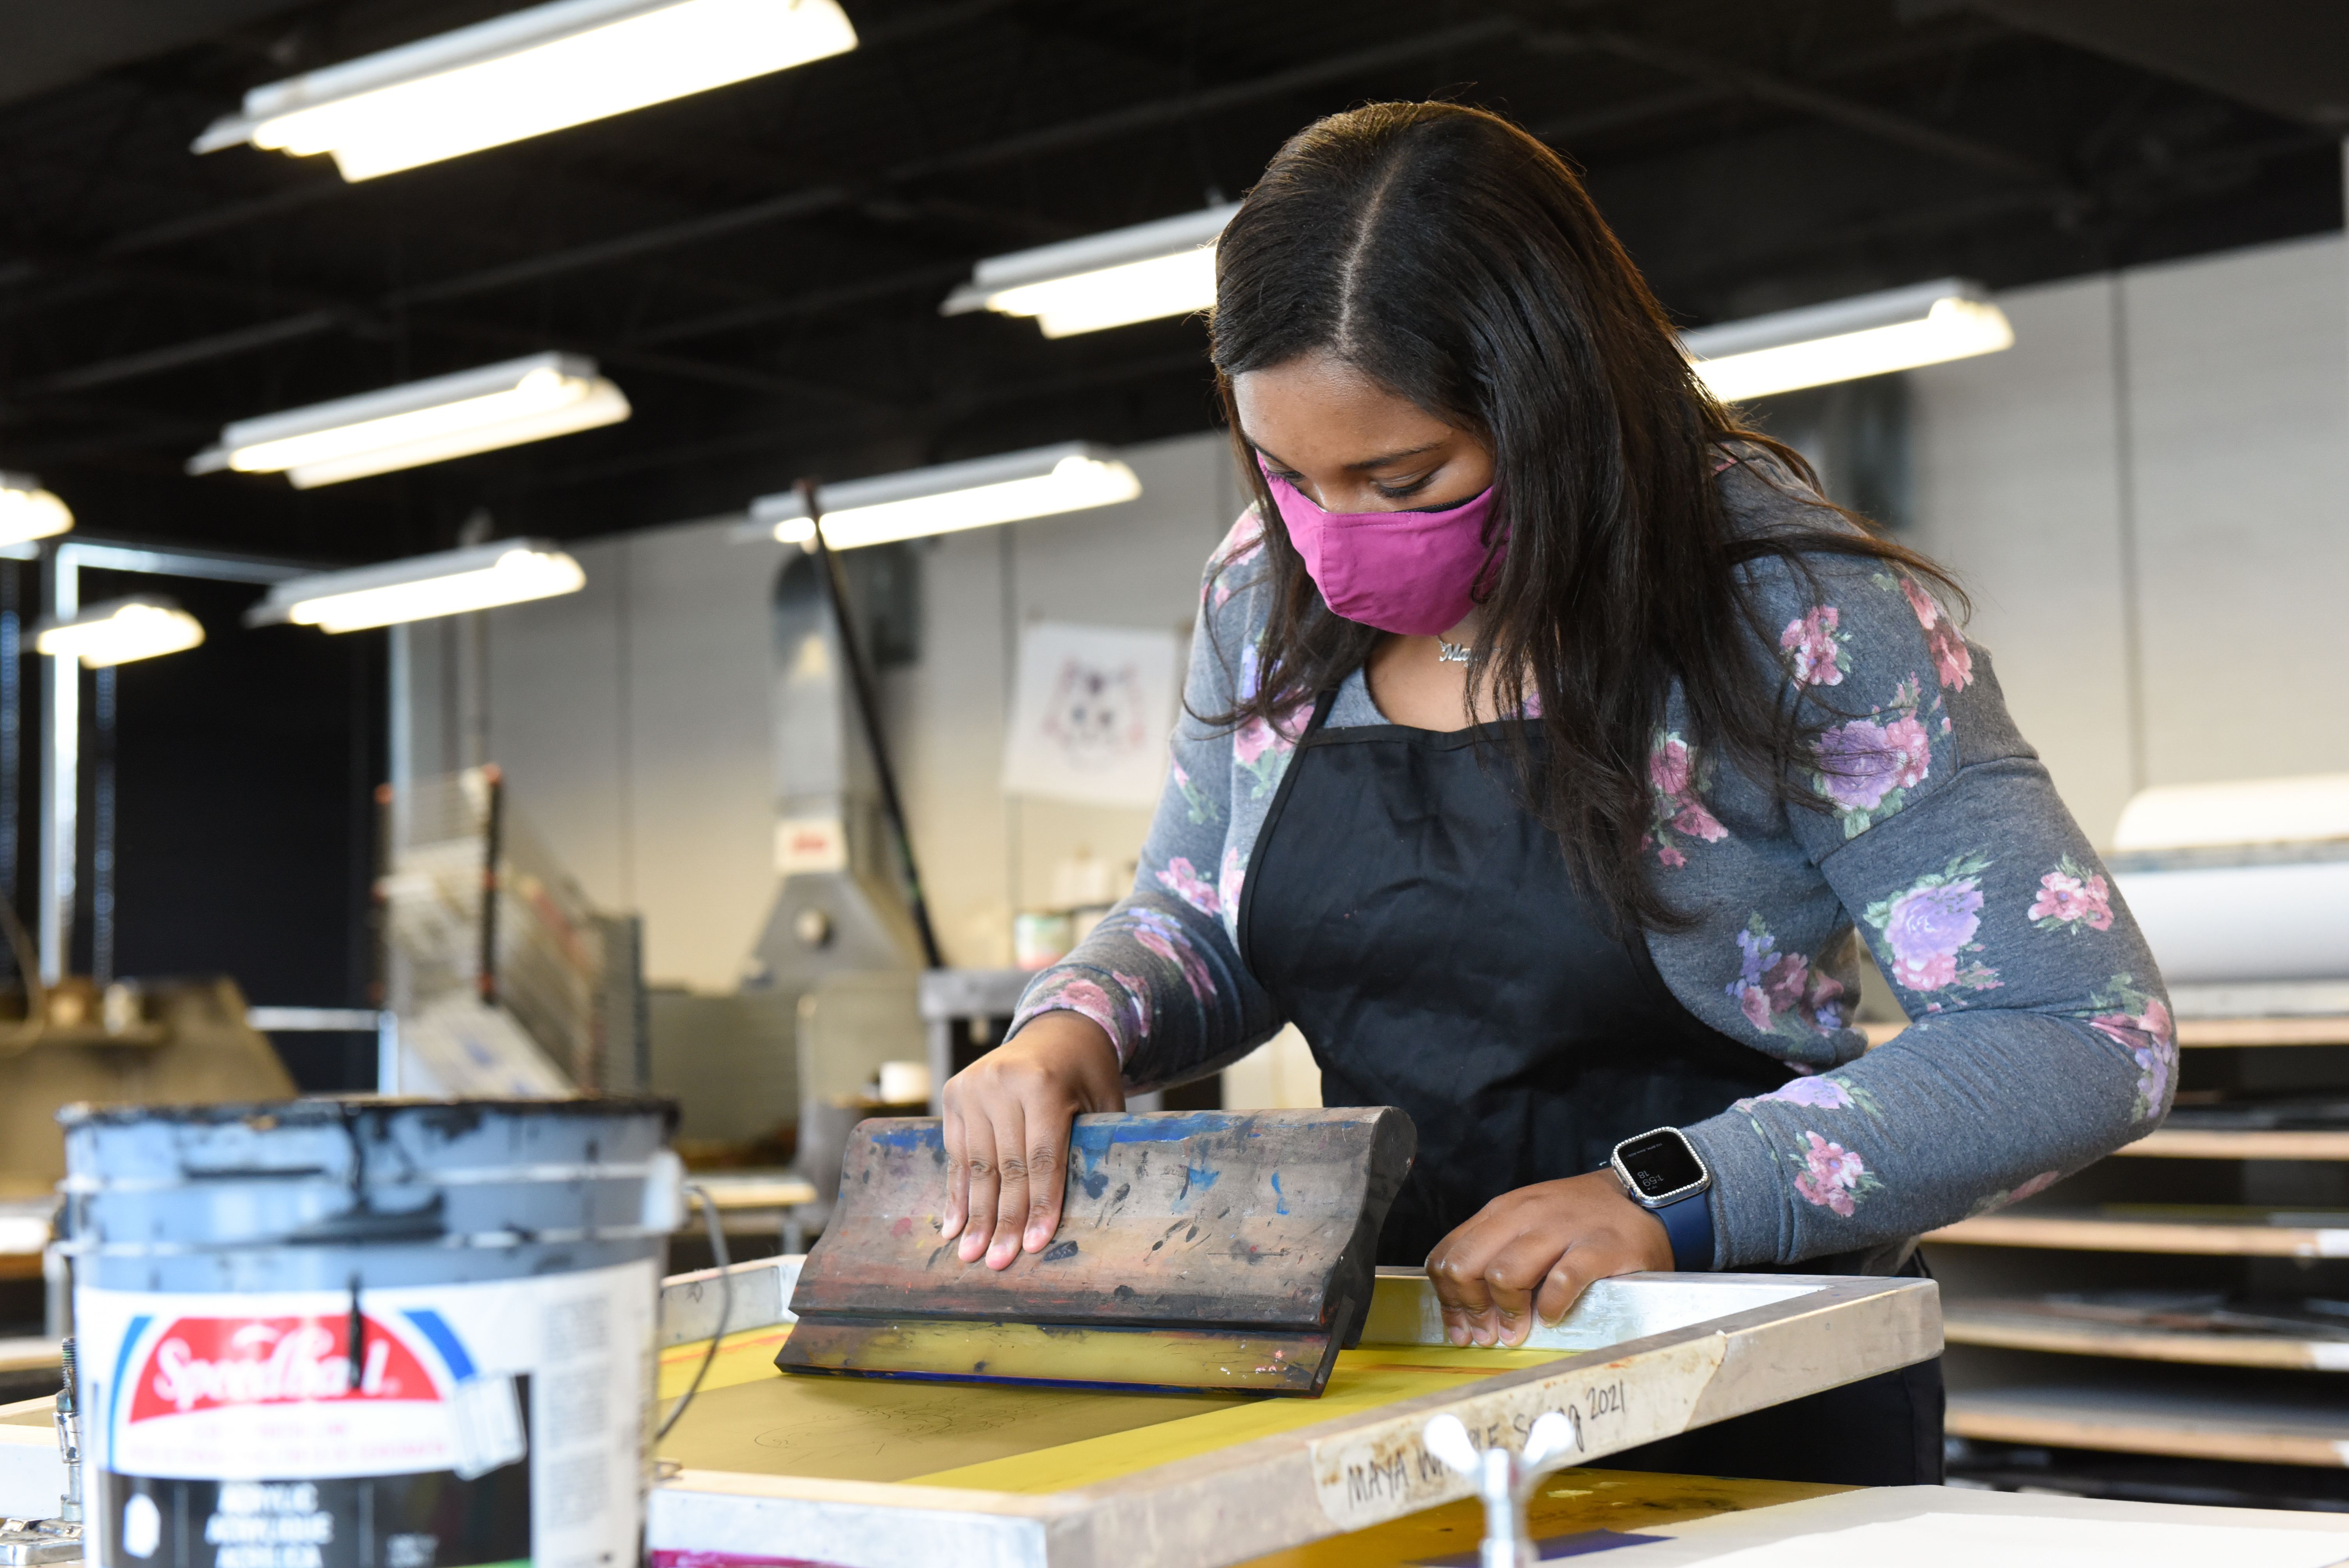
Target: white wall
x=2199, y=410
x=632, y=717
x=983, y=854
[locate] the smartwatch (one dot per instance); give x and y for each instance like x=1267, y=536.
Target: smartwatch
x=1662, y=1171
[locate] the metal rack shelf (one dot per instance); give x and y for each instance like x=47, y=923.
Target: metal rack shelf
x=2108, y=1233
x=2154, y=1360
x=2031, y=1326
x=2239, y=1143
x=2309, y=1031
x=2148, y=1421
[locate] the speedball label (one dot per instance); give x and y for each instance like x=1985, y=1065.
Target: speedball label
x=427, y=1427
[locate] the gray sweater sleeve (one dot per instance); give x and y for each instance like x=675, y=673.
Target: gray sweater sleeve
x=2041, y=1039
x=1161, y=972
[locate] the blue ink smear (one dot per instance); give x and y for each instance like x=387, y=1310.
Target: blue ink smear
x=1279, y=1203
x=1095, y=1139
x=915, y=1136
x=1201, y=1177
x=1096, y=1184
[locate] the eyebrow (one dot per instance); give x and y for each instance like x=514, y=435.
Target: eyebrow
x=1377, y=462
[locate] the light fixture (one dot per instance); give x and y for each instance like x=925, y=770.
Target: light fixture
x=1871, y=335
x=526, y=74
x=119, y=631
x=1165, y=268
x=29, y=512
x=420, y=422
x=1006, y=489
x=479, y=577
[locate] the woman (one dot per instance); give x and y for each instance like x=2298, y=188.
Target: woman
x=1744, y=731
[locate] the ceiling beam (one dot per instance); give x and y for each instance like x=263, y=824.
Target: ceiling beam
x=1765, y=86
x=936, y=275
x=229, y=214
x=327, y=314
x=797, y=204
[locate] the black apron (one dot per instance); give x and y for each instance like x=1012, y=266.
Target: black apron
x=1420, y=927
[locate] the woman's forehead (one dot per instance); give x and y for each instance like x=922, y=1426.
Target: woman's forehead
x=1318, y=410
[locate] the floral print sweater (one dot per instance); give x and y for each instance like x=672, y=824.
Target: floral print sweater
x=2041, y=1039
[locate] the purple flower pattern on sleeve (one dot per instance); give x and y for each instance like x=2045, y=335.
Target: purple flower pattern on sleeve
x=1188, y=885
x=1953, y=661
x=1815, y=650
x=1833, y=1177
x=1136, y=988
x=2016, y=1194
x=1261, y=750
x=2071, y=898
x=1930, y=929
x=1242, y=544
x=1817, y=1093
x=1779, y=992
x=1200, y=806
x=1676, y=778
x=1162, y=936
x=2140, y=1023
x=1085, y=998
x=1868, y=766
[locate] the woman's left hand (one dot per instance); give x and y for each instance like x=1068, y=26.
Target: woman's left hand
x=1534, y=1251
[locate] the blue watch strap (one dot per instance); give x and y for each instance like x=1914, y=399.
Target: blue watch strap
x=1689, y=1224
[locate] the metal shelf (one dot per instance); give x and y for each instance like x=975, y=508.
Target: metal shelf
x=2112, y=1373
x=2325, y=1031
x=2244, y=1143
x=2020, y=1326
x=2106, y=1233
x=2148, y=1421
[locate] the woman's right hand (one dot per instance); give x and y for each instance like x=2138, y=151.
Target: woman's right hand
x=1007, y=1133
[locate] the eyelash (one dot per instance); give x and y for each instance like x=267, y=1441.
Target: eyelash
x=1403, y=492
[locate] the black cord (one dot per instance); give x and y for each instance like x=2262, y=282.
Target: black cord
x=868, y=712
x=725, y=1305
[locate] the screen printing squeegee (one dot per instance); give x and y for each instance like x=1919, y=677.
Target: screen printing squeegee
x=1216, y=1250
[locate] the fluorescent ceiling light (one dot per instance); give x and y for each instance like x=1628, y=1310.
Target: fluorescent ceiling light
x=29, y=512
x=480, y=577
x=420, y=422
x=1872, y=334
x=1006, y=488
x=526, y=74
x=119, y=631
x=1165, y=268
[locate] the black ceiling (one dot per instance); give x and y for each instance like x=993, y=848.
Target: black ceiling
x=759, y=267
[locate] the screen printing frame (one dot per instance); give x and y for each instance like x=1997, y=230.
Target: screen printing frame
x=1640, y=1357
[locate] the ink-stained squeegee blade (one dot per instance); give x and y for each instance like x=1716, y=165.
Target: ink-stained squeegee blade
x=1216, y=1250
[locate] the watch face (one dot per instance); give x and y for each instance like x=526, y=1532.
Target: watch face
x=1661, y=1162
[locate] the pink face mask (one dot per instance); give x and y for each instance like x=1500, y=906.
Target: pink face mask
x=1410, y=573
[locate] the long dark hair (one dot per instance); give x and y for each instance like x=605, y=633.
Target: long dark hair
x=1454, y=259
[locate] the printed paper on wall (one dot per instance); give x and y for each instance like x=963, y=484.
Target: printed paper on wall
x=1090, y=714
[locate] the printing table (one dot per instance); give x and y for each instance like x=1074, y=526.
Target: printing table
x=869, y=1474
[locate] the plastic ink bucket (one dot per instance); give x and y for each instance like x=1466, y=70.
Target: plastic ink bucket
x=367, y=1334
